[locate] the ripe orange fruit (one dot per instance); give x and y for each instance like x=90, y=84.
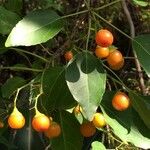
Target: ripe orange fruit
x=99, y=120
x=87, y=129
x=115, y=60
x=1, y=124
x=104, y=38
x=53, y=131
x=77, y=110
x=16, y=120
x=120, y=101
x=40, y=122
x=102, y=52
x=68, y=55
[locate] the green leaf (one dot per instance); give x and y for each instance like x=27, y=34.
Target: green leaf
x=14, y=5
x=86, y=80
x=70, y=138
x=8, y=20
x=142, y=106
x=142, y=48
x=37, y=27
x=127, y=125
x=98, y=146
x=140, y=2
x=11, y=86
x=56, y=93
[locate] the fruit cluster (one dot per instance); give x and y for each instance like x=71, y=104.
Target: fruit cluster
x=88, y=129
x=40, y=123
x=104, y=49
x=104, y=40
x=120, y=102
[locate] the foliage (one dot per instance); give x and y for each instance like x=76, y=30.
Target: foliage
x=34, y=36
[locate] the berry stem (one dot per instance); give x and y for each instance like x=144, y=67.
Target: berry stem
x=36, y=101
x=21, y=69
x=27, y=52
x=17, y=93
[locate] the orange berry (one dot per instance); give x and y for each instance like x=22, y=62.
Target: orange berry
x=120, y=101
x=16, y=120
x=115, y=60
x=68, y=55
x=53, y=131
x=99, y=120
x=102, y=52
x=87, y=129
x=104, y=38
x=40, y=122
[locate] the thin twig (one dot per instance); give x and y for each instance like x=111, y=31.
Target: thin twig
x=132, y=33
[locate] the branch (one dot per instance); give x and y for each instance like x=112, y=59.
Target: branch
x=132, y=33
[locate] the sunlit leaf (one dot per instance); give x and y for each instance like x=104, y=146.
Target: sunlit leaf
x=98, y=146
x=86, y=80
x=37, y=27
x=140, y=2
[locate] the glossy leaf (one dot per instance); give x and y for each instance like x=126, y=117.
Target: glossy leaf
x=70, y=138
x=127, y=125
x=11, y=86
x=98, y=146
x=56, y=93
x=8, y=20
x=37, y=27
x=142, y=48
x=86, y=80
x=142, y=106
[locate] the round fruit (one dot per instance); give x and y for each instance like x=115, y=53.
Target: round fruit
x=104, y=38
x=99, y=120
x=115, y=60
x=120, y=101
x=40, y=122
x=77, y=110
x=1, y=124
x=102, y=52
x=16, y=120
x=87, y=129
x=53, y=131
x=68, y=55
